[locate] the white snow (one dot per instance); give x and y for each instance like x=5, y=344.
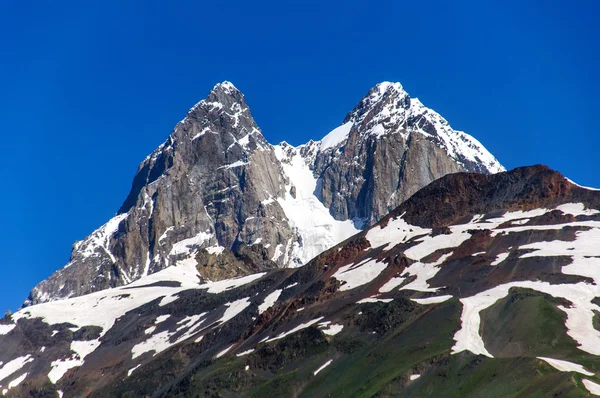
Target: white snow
x=164, y=234
x=326, y=364
x=355, y=275
x=162, y=318
x=294, y=330
x=432, y=300
x=386, y=107
x=228, y=284
x=5, y=329
x=161, y=341
x=581, y=186
x=269, y=301
x=185, y=246
x=593, y=388
x=392, y=284
x=333, y=329
x=577, y=209
x=130, y=371
x=104, y=307
x=579, y=316
x=225, y=351
x=423, y=272
x=500, y=258
x=566, y=366
x=374, y=300
x=234, y=308
x=241, y=354
x=238, y=163
x=317, y=227
x=13, y=366
x=414, y=377
x=336, y=136
x=17, y=381
x=62, y=366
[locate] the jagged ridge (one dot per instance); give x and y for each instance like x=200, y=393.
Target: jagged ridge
x=216, y=184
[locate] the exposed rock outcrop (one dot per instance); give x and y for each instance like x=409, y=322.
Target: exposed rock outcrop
x=217, y=184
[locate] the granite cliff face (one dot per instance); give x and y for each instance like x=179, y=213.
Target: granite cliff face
x=216, y=187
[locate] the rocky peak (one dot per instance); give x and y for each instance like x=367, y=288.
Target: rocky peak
x=217, y=185
x=385, y=97
x=458, y=196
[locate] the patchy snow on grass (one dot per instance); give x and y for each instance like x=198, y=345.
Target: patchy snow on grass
x=269, y=301
x=355, y=275
x=566, y=366
x=326, y=364
x=579, y=317
x=593, y=388
x=432, y=300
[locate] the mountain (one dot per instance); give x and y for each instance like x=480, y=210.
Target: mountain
x=218, y=194
x=477, y=285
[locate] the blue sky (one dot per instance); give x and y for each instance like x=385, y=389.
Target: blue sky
x=88, y=90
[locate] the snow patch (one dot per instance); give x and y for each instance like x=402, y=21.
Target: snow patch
x=269, y=301
x=336, y=136
x=357, y=275
x=566, y=366
x=326, y=364
x=432, y=300
x=313, y=221
x=294, y=330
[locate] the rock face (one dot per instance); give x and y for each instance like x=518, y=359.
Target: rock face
x=217, y=184
x=478, y=285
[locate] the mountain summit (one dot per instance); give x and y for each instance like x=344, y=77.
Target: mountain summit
x=216, y=194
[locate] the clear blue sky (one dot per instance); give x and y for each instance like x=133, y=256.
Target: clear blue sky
x=88, y=89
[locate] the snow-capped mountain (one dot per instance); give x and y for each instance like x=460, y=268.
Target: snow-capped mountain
x=477, y=285
x=216, y=192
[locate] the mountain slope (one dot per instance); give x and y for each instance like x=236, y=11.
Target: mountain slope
x=215, y=186
x=478, y=285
